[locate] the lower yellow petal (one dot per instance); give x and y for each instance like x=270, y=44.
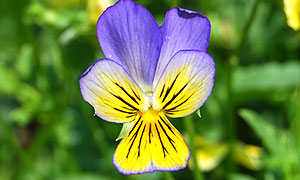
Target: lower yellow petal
x=152, y=144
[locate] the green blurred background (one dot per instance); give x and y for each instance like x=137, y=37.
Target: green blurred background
x=248, y=129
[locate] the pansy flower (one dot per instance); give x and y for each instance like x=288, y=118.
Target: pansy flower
x=150, y=72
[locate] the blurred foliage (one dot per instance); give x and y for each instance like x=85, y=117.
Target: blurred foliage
x=47, y=131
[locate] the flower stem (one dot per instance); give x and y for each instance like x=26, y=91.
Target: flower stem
x=12, y=141
x=175, y=3
x=296, y=126
x=230, y=105
x=168, y=175
x=246, y=29
x=189, y=125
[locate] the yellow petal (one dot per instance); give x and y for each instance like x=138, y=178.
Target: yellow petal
x=210, y=157
x=248, y=155
x=209, y=153
x=112, y=92
x=151, y=144
x=185, y=84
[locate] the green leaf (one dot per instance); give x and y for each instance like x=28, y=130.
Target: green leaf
x=239, y=176
x=263, y=129
x=9, y=80
x=126, y=127
x=51, y=58
x=283, y=152
x=24, y=61
x=30, y=100
x=266, y=77
x=198, y=113
x=86, y=176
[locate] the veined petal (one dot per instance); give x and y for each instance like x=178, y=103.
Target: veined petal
x=128, y=33
x=152, y=144
x=182, y=30
x=185, y=84
x=111, y=91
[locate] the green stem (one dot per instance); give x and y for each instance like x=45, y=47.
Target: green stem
x=296, y=127
x=189, y=125
x=175, y=3
x=230, y=105
x=246, y=29
x=168, y=175
x=12, y=139
x=231, y=121
x=102, y=146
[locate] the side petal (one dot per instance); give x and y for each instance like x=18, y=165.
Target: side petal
x=152, y=144
x=185, y=84
x=111, y=91
x=128, y=33
x=182, y=30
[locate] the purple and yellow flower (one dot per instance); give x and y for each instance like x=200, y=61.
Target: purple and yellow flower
x=150, y=72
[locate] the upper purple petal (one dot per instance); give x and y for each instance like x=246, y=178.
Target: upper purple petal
x=128, y=34
x=182, y=30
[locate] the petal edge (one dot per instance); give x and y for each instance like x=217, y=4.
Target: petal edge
x=182, y=30
x=111, y=91
x=185, y=84
x=128, y=33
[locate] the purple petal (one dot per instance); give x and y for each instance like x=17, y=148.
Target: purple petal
x=182, y=30
x=128, y=34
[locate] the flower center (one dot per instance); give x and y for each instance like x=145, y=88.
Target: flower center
x=150, y=104
x=150, y=115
